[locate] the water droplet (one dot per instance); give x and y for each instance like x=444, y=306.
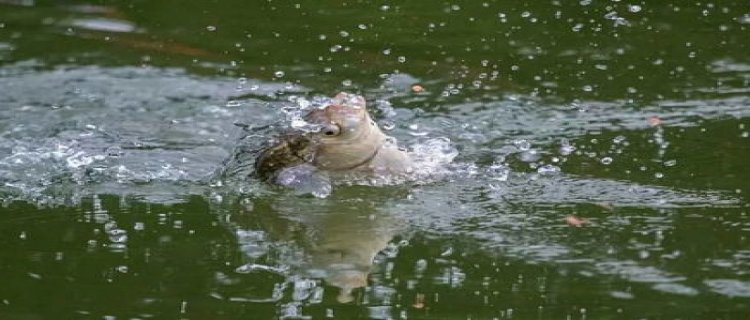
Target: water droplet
x=387, y=125
x=498, y=171
x=566, y=148
x=523, y=145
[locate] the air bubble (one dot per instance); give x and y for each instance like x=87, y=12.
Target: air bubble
x=523, y=145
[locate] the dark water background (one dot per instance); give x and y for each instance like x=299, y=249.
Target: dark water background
x=632, y=117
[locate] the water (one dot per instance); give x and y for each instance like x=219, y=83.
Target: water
x=600, y=169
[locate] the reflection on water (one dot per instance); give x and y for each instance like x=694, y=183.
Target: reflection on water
x=339, y=238
x=601, y=167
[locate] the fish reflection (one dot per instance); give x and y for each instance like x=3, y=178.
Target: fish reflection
x=338, y=238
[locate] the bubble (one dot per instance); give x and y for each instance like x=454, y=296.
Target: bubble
x=346, y=83
x=606, y=160
x=211, y=28
x=387, y=125
x=670, y=163
x=401, y=59
x=566, y=148
x=634, y=8
x=420, y=266
x=523, y=145
x=117, y=235
x=529, y=156
x=279, y=74
x=498, y=172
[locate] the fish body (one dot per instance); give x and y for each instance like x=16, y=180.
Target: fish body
x=349, y=142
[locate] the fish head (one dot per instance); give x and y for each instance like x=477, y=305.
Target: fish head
x=344, y=118
x=347, y=137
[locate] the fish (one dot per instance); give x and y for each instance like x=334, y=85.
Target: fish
x=347, y=142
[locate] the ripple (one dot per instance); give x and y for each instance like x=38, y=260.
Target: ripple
x=104, y=24
x=729, y=287
x=675, y=288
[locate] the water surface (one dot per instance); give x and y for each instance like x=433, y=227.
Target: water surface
x=601, y=169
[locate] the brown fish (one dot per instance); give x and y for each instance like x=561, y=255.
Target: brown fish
x=348, y=142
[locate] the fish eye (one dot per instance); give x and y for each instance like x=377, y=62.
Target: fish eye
x=331, y=130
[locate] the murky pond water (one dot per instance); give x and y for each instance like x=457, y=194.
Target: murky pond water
x=601, y=169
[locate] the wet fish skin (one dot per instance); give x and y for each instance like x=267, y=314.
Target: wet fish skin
x=350, y=142
x=290, y=150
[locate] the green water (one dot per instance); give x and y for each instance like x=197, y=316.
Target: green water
x=117, y=119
